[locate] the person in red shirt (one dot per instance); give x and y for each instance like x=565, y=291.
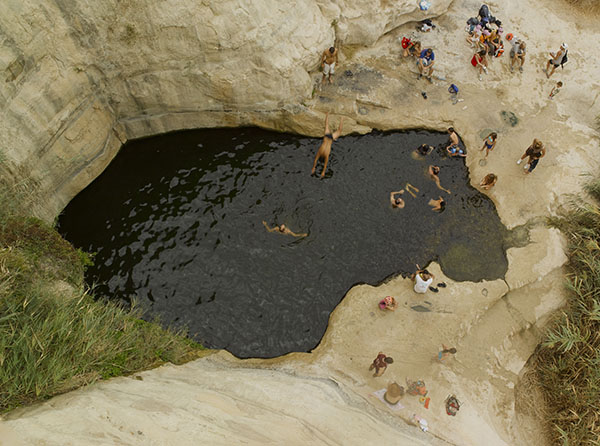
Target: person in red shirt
x=380, y=364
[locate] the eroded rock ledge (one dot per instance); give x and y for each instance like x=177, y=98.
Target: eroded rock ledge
x=82, y=78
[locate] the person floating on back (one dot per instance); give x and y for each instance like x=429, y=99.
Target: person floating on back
x=283, y=229
x=557, y=59
x=325, y=148
x=328, y=61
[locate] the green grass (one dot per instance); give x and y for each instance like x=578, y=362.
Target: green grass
x=567, y=363
x=54, y=336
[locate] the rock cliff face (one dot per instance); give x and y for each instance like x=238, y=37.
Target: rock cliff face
x=83, y=77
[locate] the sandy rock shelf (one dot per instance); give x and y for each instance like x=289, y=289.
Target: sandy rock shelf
x=106, y=73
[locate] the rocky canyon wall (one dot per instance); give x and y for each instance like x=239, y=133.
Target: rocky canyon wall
x=80, y=78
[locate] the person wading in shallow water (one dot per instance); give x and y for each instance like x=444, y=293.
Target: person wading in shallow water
x=325, y=148
x=283, y=229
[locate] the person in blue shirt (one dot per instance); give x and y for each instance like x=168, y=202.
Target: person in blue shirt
x=425, y=63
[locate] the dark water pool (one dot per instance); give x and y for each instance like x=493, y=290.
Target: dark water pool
x=176, y=222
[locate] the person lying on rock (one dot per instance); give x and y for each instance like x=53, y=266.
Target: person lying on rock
x=283, y=229
x=437, y=205
x=325, y=148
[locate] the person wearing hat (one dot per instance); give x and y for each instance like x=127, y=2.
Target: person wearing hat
x=394, y=393
x=556, y=59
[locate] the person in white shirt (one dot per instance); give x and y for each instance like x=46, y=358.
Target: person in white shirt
x=422, y=279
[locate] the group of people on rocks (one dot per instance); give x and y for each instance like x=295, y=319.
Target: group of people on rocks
x=485, y=34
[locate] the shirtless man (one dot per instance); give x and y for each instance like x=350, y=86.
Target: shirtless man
x=434, y=171
x=328, y=61
x=325, y=148
x=283, y=229
x=397, y=202
x=453, y=149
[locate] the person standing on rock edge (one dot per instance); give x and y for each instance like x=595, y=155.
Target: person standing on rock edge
x=535, y=151
x=380, y=364
x=328, y=61
x=325, y=148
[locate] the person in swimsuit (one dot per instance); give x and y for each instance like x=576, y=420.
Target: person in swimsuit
x=434, y=171
x=437, y=205
x=328, y=61
x=283, y=229
x=445, y=352
x=556, y=59
x=397, y=202
x=325, y=148
x=489, y=143
x=488, y=181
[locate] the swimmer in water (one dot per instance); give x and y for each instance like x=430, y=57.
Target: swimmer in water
x=325, y=148
x=434, y=171
x=411, y=189
x=437, y=205
x=397, y=202
x=283, y=229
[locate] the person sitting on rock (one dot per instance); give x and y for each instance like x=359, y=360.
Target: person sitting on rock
x=437, y=205
x=328, y=61
x=453, y=149
x=283, y=229
x=388, y=303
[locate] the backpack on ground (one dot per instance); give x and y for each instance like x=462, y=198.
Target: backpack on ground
x=484, y=11
x=564, y=59
x=405, y=42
